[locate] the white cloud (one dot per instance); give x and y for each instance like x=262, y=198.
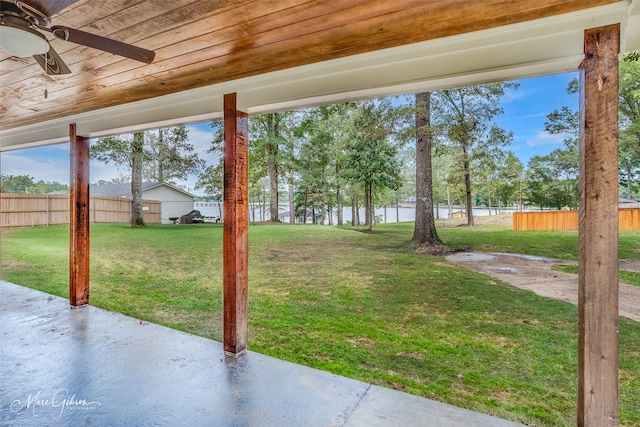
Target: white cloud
x=513, y=94
x=201, y=141
x=54, y=168
x=545, y=138
x=105, y=171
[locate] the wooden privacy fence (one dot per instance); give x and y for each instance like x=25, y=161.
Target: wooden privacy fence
x=629, y=219
x=25, y=210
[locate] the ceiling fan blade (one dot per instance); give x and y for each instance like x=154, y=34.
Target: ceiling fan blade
x=103, y=43
x=52, y=63
x=49, y=7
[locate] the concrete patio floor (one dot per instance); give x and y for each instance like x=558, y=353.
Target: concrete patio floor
x=88, y=366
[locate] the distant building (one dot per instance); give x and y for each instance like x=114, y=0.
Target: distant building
x=628, y=203
x=409, y=202
x=458, y=214
x=174, y=201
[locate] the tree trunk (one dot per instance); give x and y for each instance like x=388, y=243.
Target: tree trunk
x=467, y=186
x=339, y=207
x=304, y=207
x=137, y=219
x=629, y=188
x=292, y=217
x=338, y=199
x=161, y=155
x=424, y=231
x=355, y=211
x=397, y=207
x=369, y=206
x=366, y=206
x=449, y=202
x=272, y=165
x=520, y=195
x=263, y=205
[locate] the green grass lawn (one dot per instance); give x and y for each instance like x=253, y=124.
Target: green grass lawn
x=553, y=244
x=363, y=305
x=628, y=277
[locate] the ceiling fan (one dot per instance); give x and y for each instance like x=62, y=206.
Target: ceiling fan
x=22, y=23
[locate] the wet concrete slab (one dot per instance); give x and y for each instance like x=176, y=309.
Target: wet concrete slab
x=383, y=406
x=91, y=367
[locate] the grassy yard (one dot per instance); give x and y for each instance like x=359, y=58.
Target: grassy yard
x=628, y=277
x=355, y=304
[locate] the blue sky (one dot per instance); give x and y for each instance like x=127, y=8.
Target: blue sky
x=525, y=111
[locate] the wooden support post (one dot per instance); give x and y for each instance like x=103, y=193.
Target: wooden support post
x=236, y=226
x=598, y=230
x=79, y=220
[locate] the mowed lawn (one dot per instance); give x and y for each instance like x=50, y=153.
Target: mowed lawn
x=355, y=304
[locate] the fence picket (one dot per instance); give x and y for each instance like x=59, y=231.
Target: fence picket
x=629, y=219
x=25, y=210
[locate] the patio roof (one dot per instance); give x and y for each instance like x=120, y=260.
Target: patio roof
x=285, y=54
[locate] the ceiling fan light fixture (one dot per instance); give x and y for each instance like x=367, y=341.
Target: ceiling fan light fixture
x=19, y=40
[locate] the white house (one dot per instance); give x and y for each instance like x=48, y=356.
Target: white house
x=174, y=201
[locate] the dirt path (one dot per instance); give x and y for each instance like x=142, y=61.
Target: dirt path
x=535, y=274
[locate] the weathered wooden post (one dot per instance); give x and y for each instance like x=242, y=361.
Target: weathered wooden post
x=598, y=229
x=236, y=226
x=79, y=219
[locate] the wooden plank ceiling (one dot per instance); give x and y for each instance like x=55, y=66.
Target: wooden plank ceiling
x=203, y=42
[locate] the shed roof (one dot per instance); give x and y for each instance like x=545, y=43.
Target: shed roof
x=124, y=189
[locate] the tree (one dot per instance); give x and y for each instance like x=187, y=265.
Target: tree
x=211, y=180
x=424, y=231
x=370, y=158
x=126, y=150
x=511, y=181
x=442, y=170
x=170, y=155
x=17, y=184
x=553, y=178
x=313, y=163
x=137, y=158
x=335, y=122
x=488, y=175
x=407, y=159
x=465, y=116
x=322, y=134
x=629, y=135
x=269, y=134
